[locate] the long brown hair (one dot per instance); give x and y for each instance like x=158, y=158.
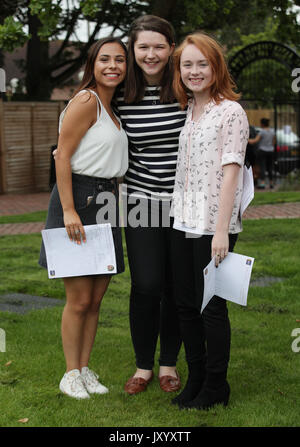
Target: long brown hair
x=88, y=79
x=135, y=82
x=222, y=84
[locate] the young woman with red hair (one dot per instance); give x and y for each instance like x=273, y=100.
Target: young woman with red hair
x=206, y=203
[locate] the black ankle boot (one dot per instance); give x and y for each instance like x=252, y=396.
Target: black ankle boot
x=207, y=398
x=193, y=337
x=191, y=390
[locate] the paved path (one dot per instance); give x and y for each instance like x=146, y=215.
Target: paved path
x=21, y=228
x=23, y=203
x=27, y=203
x=280, y=211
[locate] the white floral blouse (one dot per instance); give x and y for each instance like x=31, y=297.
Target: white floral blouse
x=219, y=138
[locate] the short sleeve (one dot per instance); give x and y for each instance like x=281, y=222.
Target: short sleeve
x=235, y=135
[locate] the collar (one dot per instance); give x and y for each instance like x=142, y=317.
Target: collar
x=207, y=108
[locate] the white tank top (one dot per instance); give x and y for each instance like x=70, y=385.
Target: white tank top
x=103, y=150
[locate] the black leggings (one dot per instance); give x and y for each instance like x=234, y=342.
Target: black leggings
x=190, y=256
x=152, y=305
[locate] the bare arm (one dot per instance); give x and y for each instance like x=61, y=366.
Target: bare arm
x=79, y=117
x=220, y=241
x=254, y=140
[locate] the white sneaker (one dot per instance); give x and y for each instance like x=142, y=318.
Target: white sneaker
x=72, y=384
x=91, y=383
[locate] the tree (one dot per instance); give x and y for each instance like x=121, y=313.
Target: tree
x=7, y=8
x=229, y=20
x=262, y=20
x=46, y=20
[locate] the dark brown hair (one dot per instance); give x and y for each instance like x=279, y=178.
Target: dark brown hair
x=265, y=122
x=222, y=84
x=88, y=79
x=135, y=82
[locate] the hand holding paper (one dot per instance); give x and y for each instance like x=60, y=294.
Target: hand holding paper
x=95, y=256
x=229, y=281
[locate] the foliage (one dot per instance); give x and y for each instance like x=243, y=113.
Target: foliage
x=206, y=15
x=8, y=7
x=90, y=8
x=234, y=23
x=252, y=81
x=261, y=20
x=269, y=33
x=47, y=20
x=48, y=13
x=11, y=32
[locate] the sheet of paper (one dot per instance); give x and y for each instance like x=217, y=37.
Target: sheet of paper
x=229, y=281
x=248, y=189
x=66, y=258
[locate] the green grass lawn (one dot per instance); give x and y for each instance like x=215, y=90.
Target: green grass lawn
x=275, y=197
x=263, y=372
x=36, y=216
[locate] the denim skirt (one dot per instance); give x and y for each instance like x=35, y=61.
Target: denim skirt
x=91, y=195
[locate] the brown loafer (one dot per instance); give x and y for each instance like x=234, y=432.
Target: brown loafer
x=136, y=385
x=170, y=383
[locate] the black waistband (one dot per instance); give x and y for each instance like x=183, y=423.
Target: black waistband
x=94, y=180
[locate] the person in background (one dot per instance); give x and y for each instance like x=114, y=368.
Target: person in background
x=265, y=140
x=152, y=120
x=92, y=153
x=206, y=204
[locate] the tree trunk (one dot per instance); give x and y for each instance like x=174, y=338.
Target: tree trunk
x=171, y=10
x=164, y=9
x=37, y=65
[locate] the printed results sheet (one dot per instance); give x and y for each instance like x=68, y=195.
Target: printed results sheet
x=67, y=258
x=229, y=281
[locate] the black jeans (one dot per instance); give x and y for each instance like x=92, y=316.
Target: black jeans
x=152, y=304
x=206, y=336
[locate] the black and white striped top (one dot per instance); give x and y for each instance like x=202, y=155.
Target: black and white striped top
x=153, y=130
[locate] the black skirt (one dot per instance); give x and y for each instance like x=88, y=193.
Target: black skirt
x=91, y=195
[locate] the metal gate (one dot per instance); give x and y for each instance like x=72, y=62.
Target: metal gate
x=287, y=127
x=263, y=73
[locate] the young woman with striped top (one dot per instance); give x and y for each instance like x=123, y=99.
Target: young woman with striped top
x=153, y=120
